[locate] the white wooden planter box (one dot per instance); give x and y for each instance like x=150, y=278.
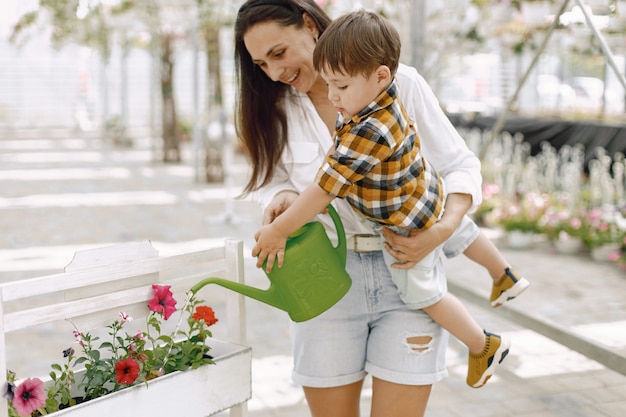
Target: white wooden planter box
x=193, y=393
x=98, y=284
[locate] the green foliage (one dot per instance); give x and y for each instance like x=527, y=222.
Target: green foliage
x=125, y=359
x=521, y=223
x=71, y=21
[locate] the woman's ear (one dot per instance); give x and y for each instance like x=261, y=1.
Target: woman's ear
x=310, y=25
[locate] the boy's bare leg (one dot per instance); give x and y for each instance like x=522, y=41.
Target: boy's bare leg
x=485, y=253
x=452, y=315
x=486, y=350
x=506, y=284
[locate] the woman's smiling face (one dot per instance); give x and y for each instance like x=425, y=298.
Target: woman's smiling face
x=284, y=53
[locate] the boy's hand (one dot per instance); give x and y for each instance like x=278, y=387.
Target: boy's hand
x=270, y=245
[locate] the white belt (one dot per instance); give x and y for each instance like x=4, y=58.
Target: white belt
x=364, y=243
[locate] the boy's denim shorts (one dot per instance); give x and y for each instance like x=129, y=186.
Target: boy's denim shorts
x=366, y=332
x=425, y=284
x=463, y=236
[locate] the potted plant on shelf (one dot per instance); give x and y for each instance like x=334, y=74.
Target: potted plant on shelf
x=603, y=236
x=521, y=231
x=520, y=219
x=124, y=361
x=564, y=229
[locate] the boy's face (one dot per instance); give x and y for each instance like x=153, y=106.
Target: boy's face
x=351, y=93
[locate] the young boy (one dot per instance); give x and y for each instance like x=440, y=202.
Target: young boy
x=376, y=165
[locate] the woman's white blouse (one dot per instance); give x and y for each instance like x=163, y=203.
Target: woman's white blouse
x=309, y=140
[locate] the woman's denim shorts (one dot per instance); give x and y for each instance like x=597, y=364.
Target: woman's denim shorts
x=367, y=332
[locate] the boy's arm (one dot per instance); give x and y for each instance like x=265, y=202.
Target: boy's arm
x=272, y=238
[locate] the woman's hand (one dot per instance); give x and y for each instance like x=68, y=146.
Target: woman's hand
x=409, y=250
x=278, y=205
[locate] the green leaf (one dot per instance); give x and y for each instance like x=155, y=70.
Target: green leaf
x=106, y=345
x=80, y=360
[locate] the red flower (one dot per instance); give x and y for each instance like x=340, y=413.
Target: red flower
x=162, y=302
x=29, y=396
x=126, y=371
x=205, y=313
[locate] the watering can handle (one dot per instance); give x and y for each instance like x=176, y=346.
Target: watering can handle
x=341, y=234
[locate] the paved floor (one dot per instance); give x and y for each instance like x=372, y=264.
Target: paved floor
x=60, y=193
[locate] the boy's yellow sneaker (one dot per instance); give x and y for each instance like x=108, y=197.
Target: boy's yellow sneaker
x=507, y=288
x=482, y=366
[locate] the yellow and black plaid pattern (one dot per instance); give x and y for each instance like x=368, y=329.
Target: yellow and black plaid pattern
x=378, y=168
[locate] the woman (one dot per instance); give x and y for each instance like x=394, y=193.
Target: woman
x=286, y=123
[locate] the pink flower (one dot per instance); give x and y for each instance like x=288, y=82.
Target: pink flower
x=163, y=301
x=594, y=214
x=126, y=371
x=125, y=317
x=80, y=338
x=142, y=357
x=29, y=396
x=489, y=190
x=614, y=256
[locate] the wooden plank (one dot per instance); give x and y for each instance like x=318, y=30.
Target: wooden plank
x=17, y=290
x=236, y=302
x=101, y=318
x=71, y=309
x=104, y=256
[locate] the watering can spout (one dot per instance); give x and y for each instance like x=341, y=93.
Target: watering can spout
x=269, y=296
x=312, y=279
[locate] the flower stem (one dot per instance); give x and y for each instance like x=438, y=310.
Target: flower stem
x=188, y=296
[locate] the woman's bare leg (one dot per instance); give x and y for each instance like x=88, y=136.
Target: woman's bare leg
x=389, y=399
x=343, y=401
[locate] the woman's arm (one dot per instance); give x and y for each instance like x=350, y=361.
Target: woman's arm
x=440, y=142
x=448, y=153
x=409, y=250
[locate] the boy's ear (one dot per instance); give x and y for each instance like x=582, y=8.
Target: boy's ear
x=383, y=74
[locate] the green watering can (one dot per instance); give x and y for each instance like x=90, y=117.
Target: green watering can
x=312, y=279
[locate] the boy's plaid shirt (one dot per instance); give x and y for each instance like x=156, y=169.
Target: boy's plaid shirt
x=378, y=168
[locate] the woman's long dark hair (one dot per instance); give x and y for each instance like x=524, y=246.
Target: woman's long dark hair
x=260, y=120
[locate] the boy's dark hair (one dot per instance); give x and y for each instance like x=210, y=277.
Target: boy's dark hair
x=357, y=43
